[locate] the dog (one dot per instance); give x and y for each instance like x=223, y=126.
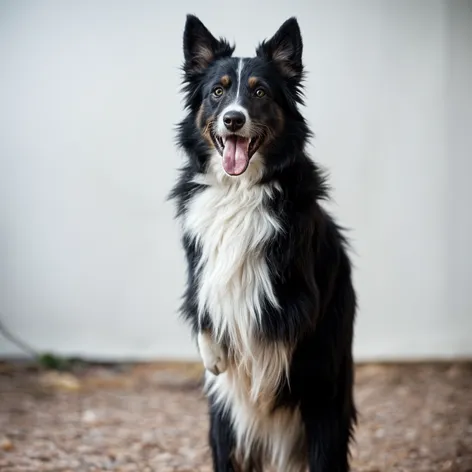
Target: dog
x=269, y=296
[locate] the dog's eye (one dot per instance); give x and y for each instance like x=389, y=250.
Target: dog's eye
x=218, y=91
x=260, y=92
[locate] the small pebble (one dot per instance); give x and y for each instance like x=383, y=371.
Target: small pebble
x=6, y=444
x=89, y=417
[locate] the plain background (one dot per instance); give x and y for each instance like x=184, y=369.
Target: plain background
x=90, y=261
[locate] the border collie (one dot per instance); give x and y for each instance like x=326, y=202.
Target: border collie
x=269, y=294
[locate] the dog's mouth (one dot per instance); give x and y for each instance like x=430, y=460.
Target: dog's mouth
x=236, y=151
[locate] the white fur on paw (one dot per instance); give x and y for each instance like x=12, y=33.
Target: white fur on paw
x=213, y=354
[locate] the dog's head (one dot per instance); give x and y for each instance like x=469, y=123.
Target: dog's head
x=241, y=106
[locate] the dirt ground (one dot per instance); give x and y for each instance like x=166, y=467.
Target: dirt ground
x=153, y=418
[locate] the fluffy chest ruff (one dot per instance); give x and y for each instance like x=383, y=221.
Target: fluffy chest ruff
x=232, y=223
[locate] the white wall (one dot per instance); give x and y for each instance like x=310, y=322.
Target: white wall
x=90, y=257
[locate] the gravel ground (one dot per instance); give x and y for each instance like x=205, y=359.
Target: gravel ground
x=153, y=418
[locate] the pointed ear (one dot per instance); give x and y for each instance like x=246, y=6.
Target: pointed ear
x=201, y=48
x=285, y=49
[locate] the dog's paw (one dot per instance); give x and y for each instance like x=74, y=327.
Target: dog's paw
x=212, y=353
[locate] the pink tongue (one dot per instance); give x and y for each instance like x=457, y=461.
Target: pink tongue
x=235, y=155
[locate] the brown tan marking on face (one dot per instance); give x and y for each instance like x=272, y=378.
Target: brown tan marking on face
x=275, y=129
x=225, y=80
x=252, y=81
x=205, y=129
x=199, y=117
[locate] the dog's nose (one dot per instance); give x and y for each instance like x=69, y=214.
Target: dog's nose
x=234, y=120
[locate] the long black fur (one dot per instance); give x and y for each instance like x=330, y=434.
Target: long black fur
x=310, y=267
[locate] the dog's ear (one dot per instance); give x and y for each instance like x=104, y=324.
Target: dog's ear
x=285, y=49
x=201, y=48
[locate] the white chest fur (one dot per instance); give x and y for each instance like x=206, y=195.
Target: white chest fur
x=231, y=224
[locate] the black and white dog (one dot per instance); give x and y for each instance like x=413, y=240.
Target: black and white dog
x=269, y=292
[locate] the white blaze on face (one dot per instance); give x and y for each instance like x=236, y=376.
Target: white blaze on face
x=235, y=106
x=240, y=70
x=236, y=148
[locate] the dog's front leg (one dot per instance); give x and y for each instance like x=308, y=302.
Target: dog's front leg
x=213, y=353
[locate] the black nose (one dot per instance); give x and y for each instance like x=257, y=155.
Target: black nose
x=234, y=120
